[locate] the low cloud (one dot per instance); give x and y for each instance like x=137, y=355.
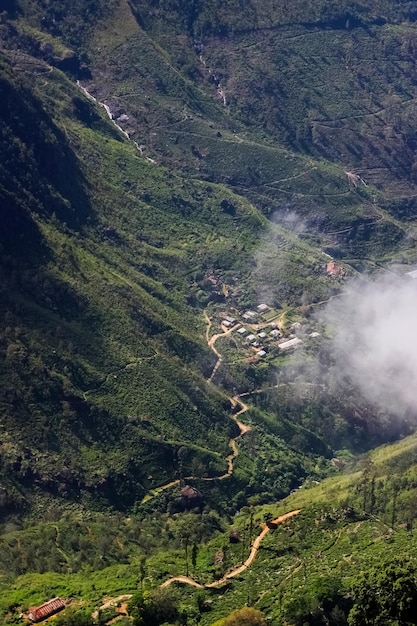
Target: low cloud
x=289, y=219
x=374, y=328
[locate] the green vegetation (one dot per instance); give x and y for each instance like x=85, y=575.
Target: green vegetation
x=243, y=617
x=260, y=140
x=306, y=571
x=97, y=327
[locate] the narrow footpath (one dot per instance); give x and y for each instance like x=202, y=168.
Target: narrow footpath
x=186, y=580
x=235, y=401
x=238, y=570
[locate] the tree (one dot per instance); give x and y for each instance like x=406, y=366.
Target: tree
x=194, y=553
x=366, y=486
x=387, y=593
x=154, y=608
x=188, y=532
x=395, y=489
x=243, y=617
x=142, y=570
x=323, y=602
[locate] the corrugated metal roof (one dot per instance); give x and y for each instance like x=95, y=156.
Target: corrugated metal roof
x=292, y=343
x=45, y=610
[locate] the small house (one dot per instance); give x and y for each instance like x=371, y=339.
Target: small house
x=242, y=331
x=263, y=308
x=275, y=333
x=46, y=610
x=261, y=353
x=191, y=497
x=262, y=335
x=289, y=345
x=334, y=270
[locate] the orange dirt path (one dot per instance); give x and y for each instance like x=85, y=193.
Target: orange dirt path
x=234, y=401
x=238, y=570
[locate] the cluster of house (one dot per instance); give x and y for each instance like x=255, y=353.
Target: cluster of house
x=259, y=340
x=249, y=316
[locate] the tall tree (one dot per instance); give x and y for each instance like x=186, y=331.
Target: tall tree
x=386, y=594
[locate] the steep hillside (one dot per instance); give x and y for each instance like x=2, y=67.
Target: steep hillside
x=343, y=547
x=308, y=110
x=259, y=98
x=104, y=361
x=183, y=185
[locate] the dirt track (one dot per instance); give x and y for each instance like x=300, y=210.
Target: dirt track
x=186, y=580
x=238, y=570
x=112, y=603
x=234, y=401
x=243, y=429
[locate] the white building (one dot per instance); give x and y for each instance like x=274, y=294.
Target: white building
x=288, y=345
x=262, y=308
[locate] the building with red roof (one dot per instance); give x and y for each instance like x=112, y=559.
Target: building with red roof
x=46, y=610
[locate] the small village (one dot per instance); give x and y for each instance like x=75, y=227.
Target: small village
x=262, y=334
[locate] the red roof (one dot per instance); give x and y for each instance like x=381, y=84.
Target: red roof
x=45, y=610
x=190, y=492
x=333, y=268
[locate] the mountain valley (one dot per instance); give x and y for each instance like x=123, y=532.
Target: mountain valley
x=188, y=192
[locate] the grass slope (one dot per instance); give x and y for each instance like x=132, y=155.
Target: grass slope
x=278, y=133
x=349, y=524
x=104, y=361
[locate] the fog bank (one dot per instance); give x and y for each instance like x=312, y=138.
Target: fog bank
x=374, y=327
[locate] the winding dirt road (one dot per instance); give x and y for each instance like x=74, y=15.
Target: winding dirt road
x=238, y=570
x=230, y=459
x=211, y=344
x=234, y=401
x=186, y=580
x=154, y=492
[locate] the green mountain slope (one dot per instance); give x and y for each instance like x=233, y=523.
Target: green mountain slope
x=247, y=144
x=258, y=99
x=97, y=267
x=308, y=110
x=353, y=529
